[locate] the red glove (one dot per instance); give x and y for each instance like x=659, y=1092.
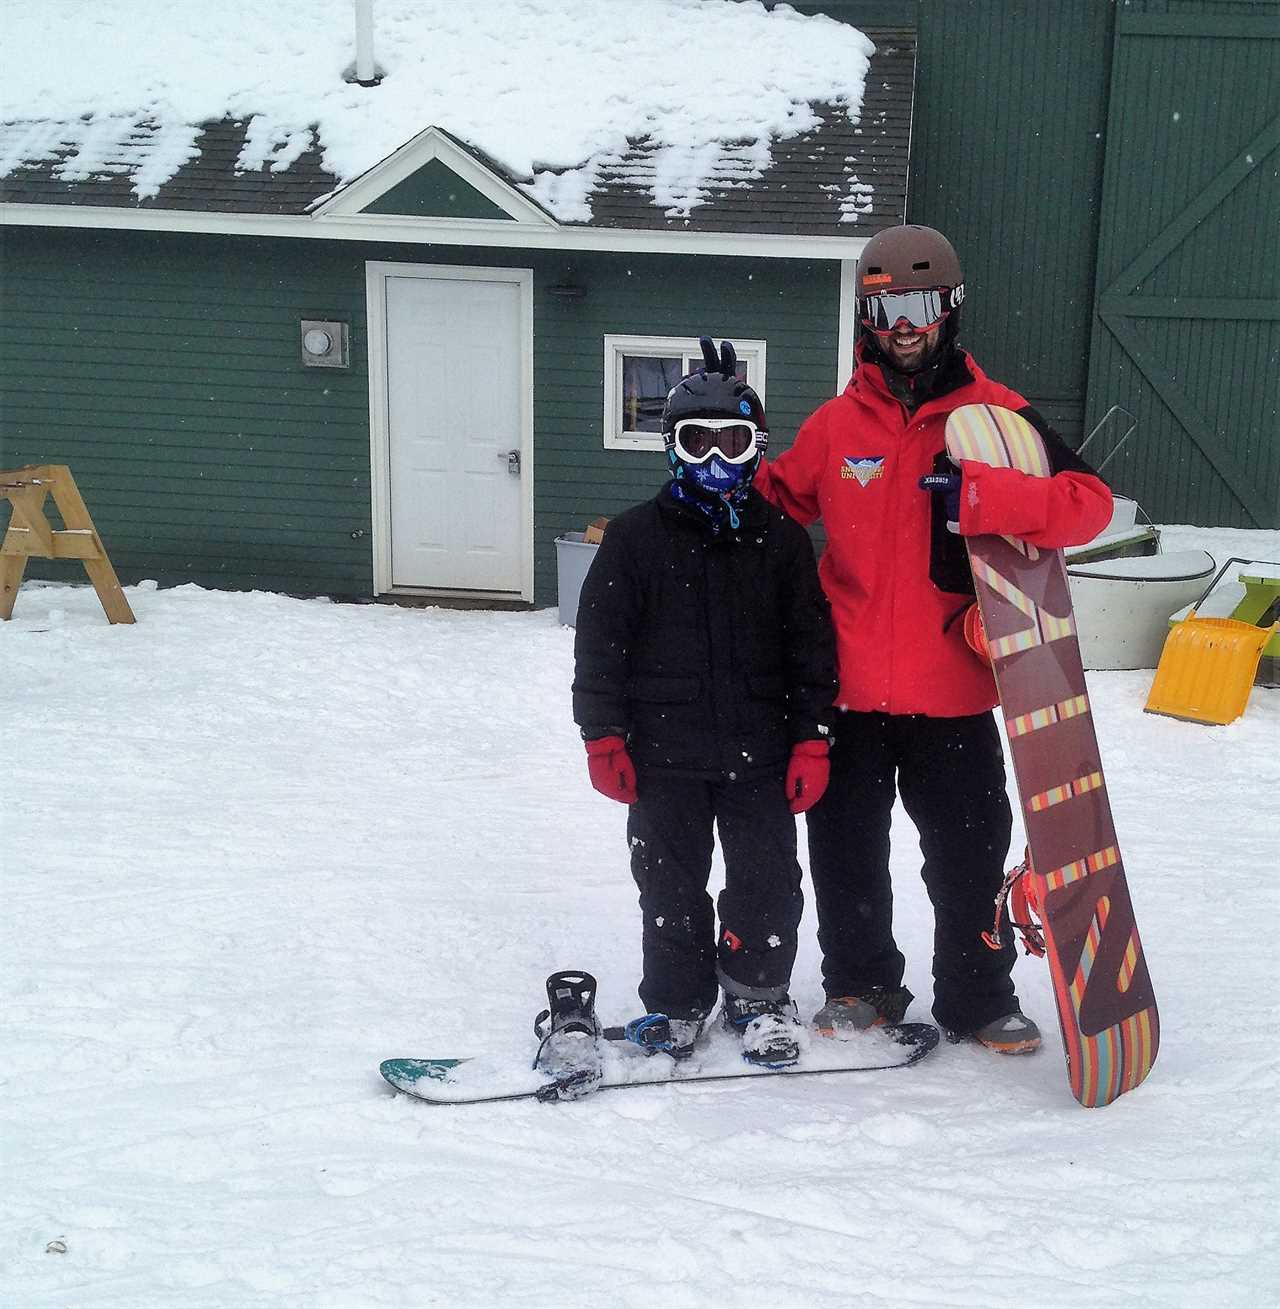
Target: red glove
x=612, y=772
x=807, y=774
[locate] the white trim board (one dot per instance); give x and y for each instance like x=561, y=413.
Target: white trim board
x=376, y=274
x=496, y=233
x=848, y=312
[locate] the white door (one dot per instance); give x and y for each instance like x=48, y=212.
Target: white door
x=455, y=427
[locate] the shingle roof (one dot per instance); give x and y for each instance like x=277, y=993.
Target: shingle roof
x=812, y=179
x=209, y=182
x=840, y=178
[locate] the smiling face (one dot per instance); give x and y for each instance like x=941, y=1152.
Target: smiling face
x=909, y=349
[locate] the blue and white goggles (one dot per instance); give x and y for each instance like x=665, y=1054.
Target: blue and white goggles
x=735, y=440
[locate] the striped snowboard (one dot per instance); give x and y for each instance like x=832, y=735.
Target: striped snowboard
x=1106, y=1007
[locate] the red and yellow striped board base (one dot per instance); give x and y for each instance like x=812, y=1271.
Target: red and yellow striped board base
x=1101, y=1065
x=1106, y=1008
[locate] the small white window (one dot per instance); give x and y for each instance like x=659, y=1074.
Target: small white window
x=640, y=370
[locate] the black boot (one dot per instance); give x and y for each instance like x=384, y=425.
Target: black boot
x=844, y=1016
x=770, y=1029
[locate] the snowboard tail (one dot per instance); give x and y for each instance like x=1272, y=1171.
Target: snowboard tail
x=1100, y=980
x=1076, y=880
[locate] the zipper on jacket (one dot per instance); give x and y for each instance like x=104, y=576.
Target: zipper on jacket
x=911, y=427
x=713, y=697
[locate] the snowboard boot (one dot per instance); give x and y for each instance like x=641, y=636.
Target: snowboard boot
x=569, y=1035
x=844, y=1016
x=684, y=1036
x=770, y=1029
x=1015, y=1033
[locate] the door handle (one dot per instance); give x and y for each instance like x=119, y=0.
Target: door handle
x=513, y=461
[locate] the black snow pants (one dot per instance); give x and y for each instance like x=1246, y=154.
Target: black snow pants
x=670, y=831
x=950, y=774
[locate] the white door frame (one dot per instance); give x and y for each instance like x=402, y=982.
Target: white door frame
x=846, y=334
x=376, y=275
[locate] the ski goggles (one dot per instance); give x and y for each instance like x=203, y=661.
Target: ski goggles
x=734, y=439
x=922, y=309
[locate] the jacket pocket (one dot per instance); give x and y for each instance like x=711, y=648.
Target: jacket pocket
x=653, y=689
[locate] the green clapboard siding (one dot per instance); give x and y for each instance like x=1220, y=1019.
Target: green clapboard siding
x=1006, y=159
x=166, y=371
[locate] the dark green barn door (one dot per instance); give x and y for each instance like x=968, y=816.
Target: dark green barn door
x=1187, y=326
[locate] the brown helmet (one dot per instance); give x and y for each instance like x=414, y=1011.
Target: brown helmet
x=909, y=272
x=908, y=258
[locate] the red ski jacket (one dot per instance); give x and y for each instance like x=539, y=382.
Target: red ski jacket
x=897, y=580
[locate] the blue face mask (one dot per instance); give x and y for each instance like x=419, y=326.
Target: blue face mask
x=717, y=477
x=717, y=488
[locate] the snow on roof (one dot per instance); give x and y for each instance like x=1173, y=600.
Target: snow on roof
x=551, y=89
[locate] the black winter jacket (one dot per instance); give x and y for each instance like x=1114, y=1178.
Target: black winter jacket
x=712, y=654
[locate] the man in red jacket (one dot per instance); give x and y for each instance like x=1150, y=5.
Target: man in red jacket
x=914, y=708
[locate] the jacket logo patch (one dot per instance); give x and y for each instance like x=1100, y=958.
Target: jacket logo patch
x=866, y=468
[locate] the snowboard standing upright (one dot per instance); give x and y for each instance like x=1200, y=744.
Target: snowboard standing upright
x=1075, y=878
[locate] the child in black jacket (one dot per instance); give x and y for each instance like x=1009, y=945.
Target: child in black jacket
x=705, y=672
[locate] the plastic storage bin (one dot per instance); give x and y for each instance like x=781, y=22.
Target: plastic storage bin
x=573, y=558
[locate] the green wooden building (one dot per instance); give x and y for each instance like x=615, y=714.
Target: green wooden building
x=257, y=377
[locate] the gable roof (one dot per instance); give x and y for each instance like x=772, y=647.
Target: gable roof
x=841, y=179
x=470, y=165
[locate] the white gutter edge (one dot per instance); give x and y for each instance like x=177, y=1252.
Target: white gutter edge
x=495, y=233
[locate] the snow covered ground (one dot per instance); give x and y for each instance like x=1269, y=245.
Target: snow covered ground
x=253, y=845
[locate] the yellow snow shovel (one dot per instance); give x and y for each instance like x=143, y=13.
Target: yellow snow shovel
x=1207, y=668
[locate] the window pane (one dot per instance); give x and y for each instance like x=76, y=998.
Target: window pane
x=694, y=362
x=645, y=383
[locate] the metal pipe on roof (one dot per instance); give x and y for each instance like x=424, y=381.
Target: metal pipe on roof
x=366, y=68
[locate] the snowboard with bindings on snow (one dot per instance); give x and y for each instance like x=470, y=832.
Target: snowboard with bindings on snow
x=1072, y=879
x=577, y=1057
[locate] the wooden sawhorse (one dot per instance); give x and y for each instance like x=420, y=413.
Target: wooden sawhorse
x=31, y=535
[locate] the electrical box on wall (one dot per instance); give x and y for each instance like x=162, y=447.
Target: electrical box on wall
x=325, y=343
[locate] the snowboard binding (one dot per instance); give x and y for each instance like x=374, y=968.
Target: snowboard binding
x=1016, y=899
x=651, y=1032
x=569, y=1035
